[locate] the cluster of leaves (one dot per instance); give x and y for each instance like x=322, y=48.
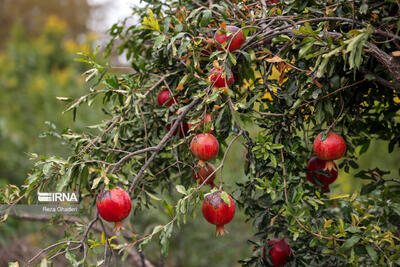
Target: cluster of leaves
x=327, y=79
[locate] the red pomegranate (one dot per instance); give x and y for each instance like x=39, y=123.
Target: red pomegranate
x=217, y=212
x=272, y=2
x=224, y=39
x=183, y=128
x=332, y=148
x=114, y=205
x=279, y=251
x=218, y=77
x=203, y=123
x=317, y=165
x=206, y=172
x=204, y=146
x=163, y=97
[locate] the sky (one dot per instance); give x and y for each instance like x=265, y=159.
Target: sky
x=116, y=11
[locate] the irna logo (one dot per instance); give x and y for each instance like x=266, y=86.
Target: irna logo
x=57, y=197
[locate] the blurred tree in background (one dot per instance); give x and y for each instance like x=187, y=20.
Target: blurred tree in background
x=33, y=72
x=33, y=14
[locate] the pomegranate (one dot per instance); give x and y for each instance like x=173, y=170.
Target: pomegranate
x=114, y=205
x=183, y=128
x=333, y=147
x=217, y=212
x=224, y=39
x=163, y=97
x=316, y=164
x=272, y=2
x=208, y=119
x=206, y=172
x=279, y=251
x=204, y=146
x=218, y=77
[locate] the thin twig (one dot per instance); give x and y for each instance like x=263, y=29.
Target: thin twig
x=161, y=144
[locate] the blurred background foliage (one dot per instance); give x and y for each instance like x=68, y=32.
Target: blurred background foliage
x=39, y=41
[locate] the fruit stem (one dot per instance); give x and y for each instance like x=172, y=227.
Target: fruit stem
x=220, y=230
x=117, y=226
x=330, y=165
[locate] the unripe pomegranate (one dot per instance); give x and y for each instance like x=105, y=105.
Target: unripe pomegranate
x=316, y=164
x=218, y=77
x=279, y=251
x=224, y=39
x=206, y=172
x=217, y=212
x=332, y=148
x=203, y=123
x=114, y=205
x=204, y=146
x=163, y=97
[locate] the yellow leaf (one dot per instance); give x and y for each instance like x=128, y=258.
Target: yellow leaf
x=103, y=239
x=328, y=223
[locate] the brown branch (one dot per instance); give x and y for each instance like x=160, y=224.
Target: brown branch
x=332, y=93
x=392, y=63
x=381, y=80
x=163, y=141
x=133, y=253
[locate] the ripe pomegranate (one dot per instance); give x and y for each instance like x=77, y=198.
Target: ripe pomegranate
x=163, y=97
x=217, y=212
x=272, y=2
x=279, y=251
x=333, y=147
x=204, y=123
x=224, y=39
x=204, y=146
x=183, y=128
x=114, y=205
x=218, y=77
x=206, y=172
x=316, y=164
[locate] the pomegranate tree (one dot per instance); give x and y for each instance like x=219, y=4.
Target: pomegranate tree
x=204, y=146
x=224, y=39
x=163, y=96
x=279, y=251
x=316, y=171
x=218, y=77
x=203, y=123
x=331, y=148
x=182, y=127
x=114, y=206
x=216, y=211
x=205, y=173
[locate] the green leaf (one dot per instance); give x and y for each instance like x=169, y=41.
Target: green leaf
x=181, y=189
x=153, y=196
x=159, y=41
x=349, y=243
x=96, y=182
x=372, y=253
x=225, y=198
x=205, y=20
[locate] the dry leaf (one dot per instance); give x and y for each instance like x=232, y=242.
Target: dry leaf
x=223, y=26
x=275, y=59
x=179, y=87
x=396, y=53
x=317, y=83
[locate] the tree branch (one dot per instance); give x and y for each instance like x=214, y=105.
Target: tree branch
x=133, y=253
x=163, y=141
